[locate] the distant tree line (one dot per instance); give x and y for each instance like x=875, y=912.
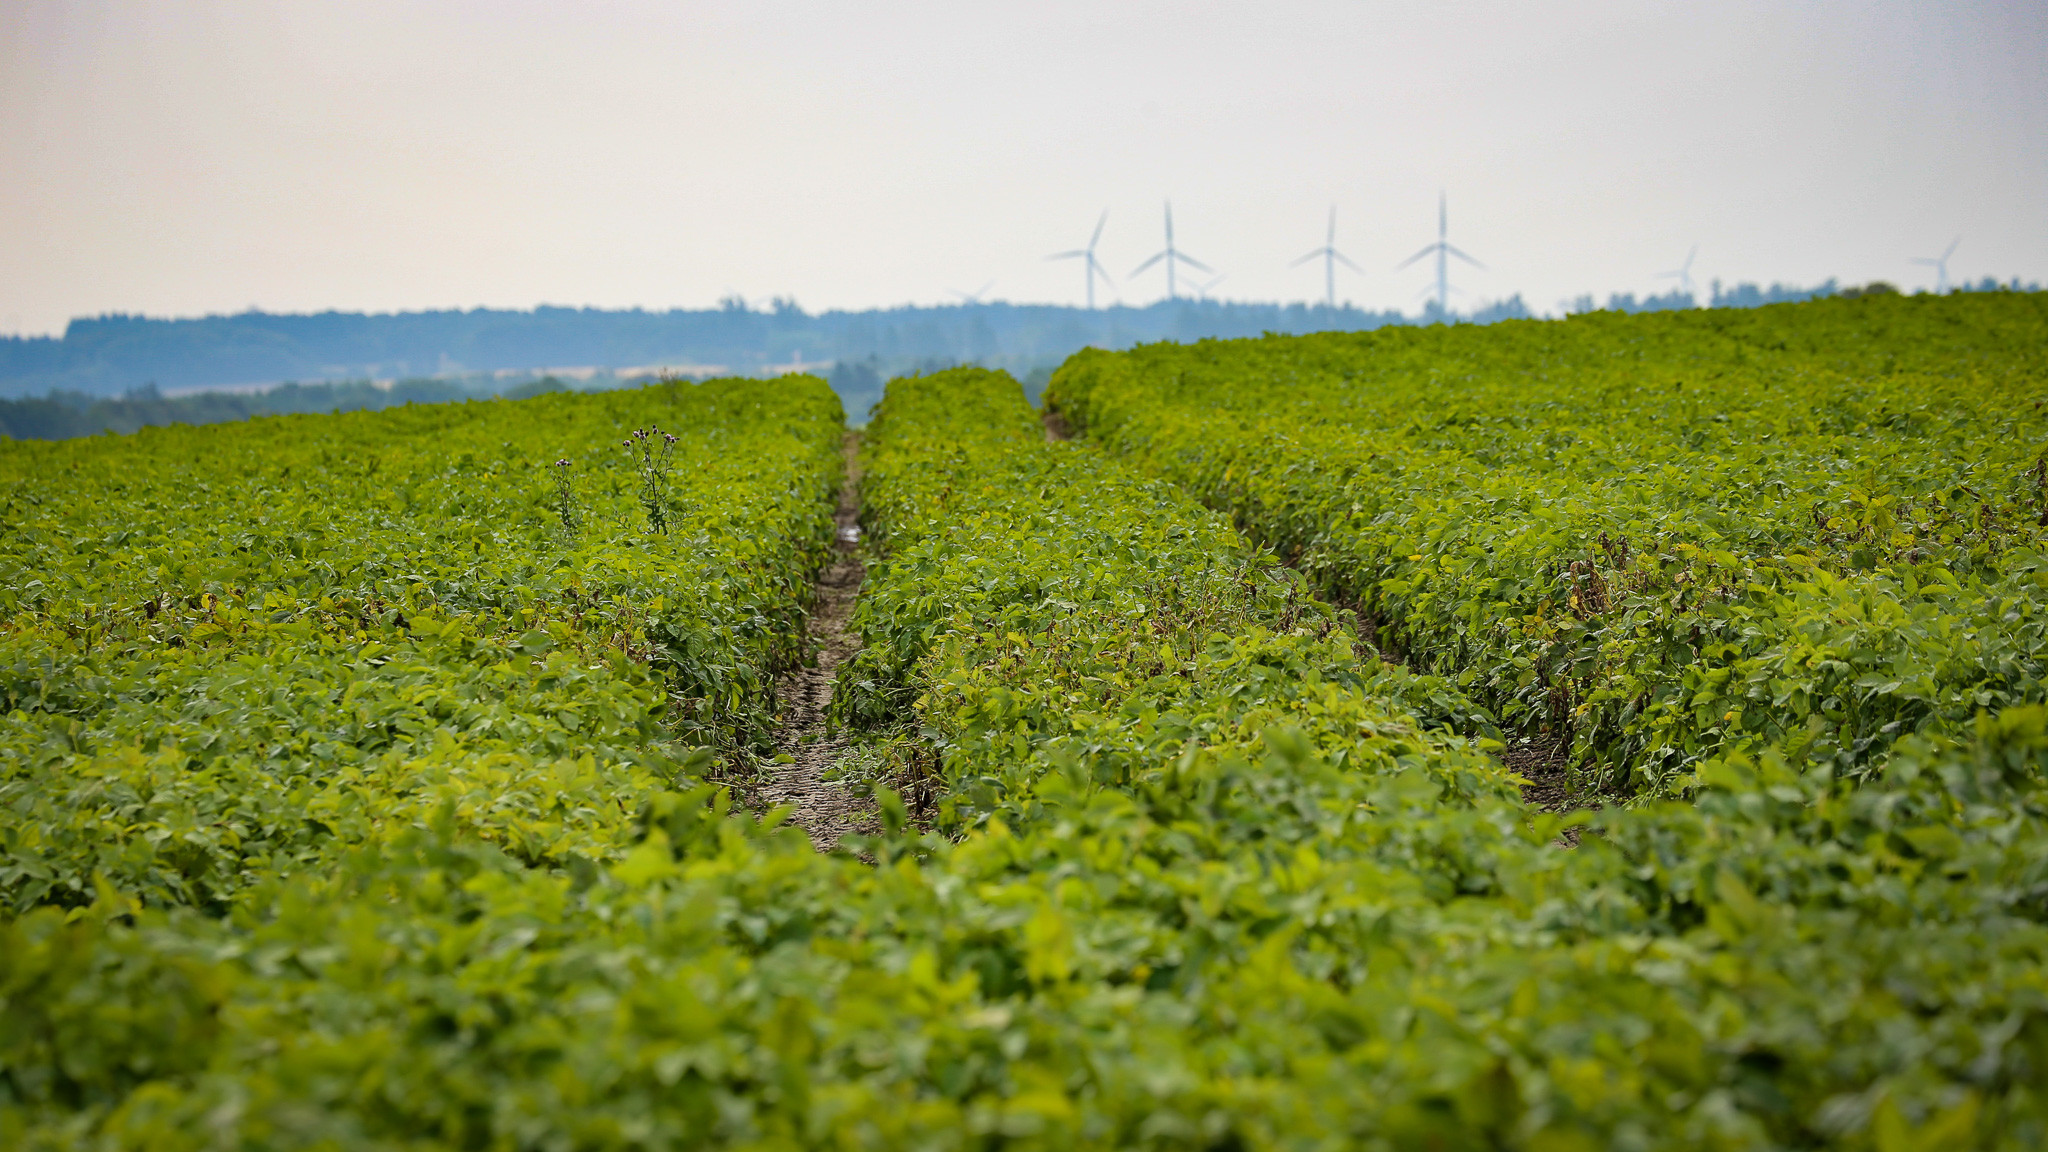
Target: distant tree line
x=111, y=355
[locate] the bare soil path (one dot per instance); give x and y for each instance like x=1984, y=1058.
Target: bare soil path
x=1545, y=762
x=825, y=810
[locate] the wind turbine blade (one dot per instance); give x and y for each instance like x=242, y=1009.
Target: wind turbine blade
x=1341, y=258
x=1157, y=257
x=1100, y=221
x=1076, y=253
x=1951, y=248
x=1191, y=262
x=1429, y=251
x=1465, y=258
x=1927, y=260
x=1315, y=255
x=1687, y=266
x=1104, y=272
x=1331, y=241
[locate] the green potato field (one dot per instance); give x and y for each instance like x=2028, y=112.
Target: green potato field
x=382, y=781
x=1670, y=537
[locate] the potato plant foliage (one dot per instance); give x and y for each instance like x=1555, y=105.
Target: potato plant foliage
x=1203, y=872
x=229, y=653
x=1808, y=528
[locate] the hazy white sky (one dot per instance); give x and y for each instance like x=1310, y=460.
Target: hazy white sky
x=189, y=157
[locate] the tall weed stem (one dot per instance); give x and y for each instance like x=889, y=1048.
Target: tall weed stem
x=653, y=453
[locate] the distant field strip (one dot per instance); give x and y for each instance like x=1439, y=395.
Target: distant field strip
x=1807, y=528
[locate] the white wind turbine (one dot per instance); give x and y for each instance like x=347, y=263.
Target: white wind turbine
x=1682, y=273
x=1090, y=266
x=1441, y=249
x=1940, y=264
x=975, y=296
x=1172, y=256
x=1331, y=258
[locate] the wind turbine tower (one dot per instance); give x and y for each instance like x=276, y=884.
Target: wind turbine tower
x=1441, y=250
x=1090, y=266
x=1682, y=273
x=1940, y=265
x=1331, y=258
x=1172, y=256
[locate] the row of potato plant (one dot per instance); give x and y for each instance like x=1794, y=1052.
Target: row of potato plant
x=1813, y=527
x=1334, y=921
x=227, y=653
x=1209, y=875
